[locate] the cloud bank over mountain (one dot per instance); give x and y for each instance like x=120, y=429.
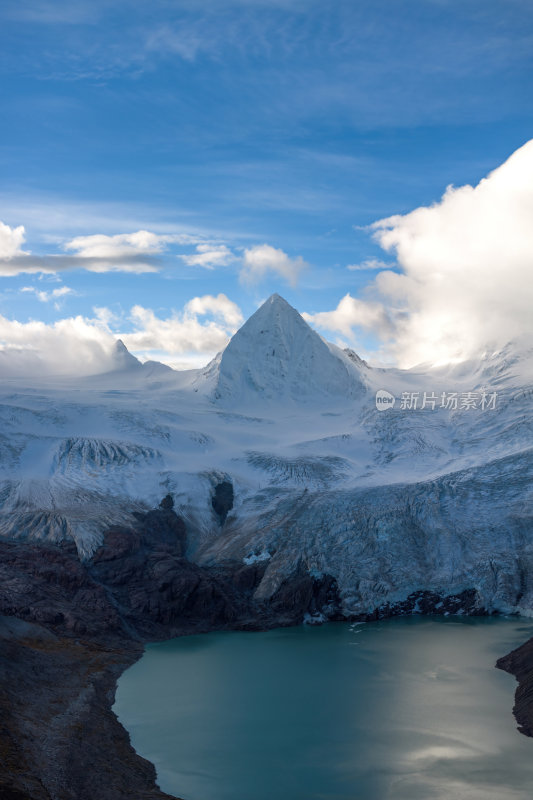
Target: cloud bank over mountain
x=85, y=345
x=462, y=283
x=465, y=272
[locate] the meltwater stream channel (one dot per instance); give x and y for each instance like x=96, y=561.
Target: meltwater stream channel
x=405, y=709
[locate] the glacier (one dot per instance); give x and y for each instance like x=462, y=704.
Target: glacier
x=388, y=502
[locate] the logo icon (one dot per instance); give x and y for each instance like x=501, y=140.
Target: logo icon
x=384, y=400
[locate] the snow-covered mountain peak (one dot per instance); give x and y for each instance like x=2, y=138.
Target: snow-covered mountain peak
x=277, y=299
x=275, y=355
x=423, y=496
x=275, y=311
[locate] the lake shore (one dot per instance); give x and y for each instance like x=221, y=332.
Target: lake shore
x=69, y=630
x=59, y=737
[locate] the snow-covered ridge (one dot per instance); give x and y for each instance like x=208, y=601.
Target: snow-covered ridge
x=386, y=501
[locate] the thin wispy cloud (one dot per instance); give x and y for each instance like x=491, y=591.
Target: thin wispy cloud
x=55, y=295
x=136, y=252
x=35, y=264
x=209, y=256
x=180, y=41
x=369, y=264
x=51, y=12
x=358, y=58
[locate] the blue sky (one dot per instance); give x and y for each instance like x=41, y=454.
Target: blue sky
x=269, y=134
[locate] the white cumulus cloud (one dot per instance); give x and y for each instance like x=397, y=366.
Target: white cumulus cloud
x=258, y=261
x=219, y=306
x=84, y=346
x=183, y=332
x=465, y=279
x=351, y=313
x=76, y=345
x=11, y=240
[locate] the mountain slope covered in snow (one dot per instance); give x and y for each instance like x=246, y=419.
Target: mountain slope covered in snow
x=431, y=494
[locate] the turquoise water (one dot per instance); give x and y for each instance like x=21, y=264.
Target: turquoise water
x=406, y=709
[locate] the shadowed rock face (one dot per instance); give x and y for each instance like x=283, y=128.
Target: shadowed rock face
x=57, y=682
x=520, y=664
x=318, y=596
x=139, y=584
x=222, y=501
x=73, y=627
x=48, y=585
x=58, y=736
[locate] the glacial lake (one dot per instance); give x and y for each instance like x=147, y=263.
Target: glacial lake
x=404, y=709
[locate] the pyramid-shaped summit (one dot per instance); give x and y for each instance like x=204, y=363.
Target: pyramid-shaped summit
x=277, y=356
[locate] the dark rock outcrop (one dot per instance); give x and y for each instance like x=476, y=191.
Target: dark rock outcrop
x=139, y=585
x=303, y=594
x=426, y=602
x=520, y=664
x=58, y=735
x=47, y=584
x=222, y=500
x=73, y=627
x=167, y=502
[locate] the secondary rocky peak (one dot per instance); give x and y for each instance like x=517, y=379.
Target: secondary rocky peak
x=120, y=347
x=122, y=358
